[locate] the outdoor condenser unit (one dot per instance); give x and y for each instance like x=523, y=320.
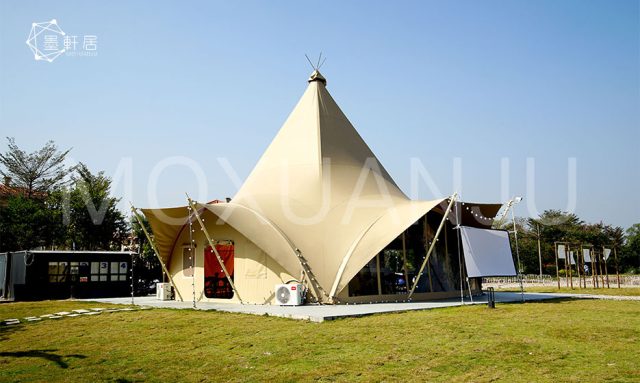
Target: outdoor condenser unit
x=163, y=291
x=290, y=294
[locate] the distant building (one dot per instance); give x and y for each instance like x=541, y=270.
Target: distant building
x=40, y=274
x=7, y=191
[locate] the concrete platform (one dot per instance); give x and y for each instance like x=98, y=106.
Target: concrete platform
x=318, y=313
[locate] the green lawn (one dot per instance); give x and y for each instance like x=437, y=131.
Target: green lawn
x=561, y=340
x=20, y=310
x=626, y=291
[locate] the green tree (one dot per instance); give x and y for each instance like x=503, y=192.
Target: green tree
x=630, y=254
x=38, y=172
x=95, y=221
x=146, y=265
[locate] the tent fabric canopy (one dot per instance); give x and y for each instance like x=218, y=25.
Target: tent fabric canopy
x=319, y=191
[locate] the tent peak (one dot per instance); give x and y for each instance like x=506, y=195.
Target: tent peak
x=316, y=76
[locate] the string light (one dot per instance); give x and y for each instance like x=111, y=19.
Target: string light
x=192, y=258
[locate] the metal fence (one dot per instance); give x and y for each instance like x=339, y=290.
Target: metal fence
x=548, y=280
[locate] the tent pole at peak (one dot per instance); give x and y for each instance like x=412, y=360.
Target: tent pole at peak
x=433, y=244
x=155, y=251
x=213, y=247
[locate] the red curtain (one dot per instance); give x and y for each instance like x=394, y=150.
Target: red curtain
x=211, y=265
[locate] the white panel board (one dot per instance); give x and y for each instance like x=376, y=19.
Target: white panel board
x=607, y=253
x=487, y=253
x=573, y=260
x=586, y=254
x=561, y=252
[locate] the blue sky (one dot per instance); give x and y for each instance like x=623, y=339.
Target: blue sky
x=432, y=81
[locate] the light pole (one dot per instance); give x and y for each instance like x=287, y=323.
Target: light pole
x=513, y=201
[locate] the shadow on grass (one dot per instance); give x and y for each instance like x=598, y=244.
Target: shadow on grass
x=44, y=354
x=7, y=330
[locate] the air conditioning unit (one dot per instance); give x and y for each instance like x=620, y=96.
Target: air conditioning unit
x=290, y=294
x=164, y=291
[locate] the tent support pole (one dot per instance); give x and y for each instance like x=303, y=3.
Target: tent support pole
x=213, y=247
x=426, y=222
x=433, y=244
x=155, y=250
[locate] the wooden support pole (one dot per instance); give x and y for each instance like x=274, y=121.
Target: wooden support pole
x=584, y=272
x=577, y=260
x=433, y=243
x=600, y=261
x=615, y=254
x=593, y=280
x=568, y=255
x=605, y=266
x=594, y=269
x=213, y=247
x=155, y=250
x=555, y=248
x=566, y=268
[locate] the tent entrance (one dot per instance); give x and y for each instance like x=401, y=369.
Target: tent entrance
x=216, y=284
x=385, y=274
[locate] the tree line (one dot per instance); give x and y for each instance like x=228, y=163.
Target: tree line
x=537, y=239
x=47, y=204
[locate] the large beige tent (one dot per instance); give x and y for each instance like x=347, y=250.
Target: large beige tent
x=319, y=208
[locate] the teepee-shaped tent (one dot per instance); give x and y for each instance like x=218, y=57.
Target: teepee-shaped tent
x=322, y=186
x=318, y=201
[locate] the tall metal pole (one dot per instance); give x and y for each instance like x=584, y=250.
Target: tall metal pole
x=515, y=236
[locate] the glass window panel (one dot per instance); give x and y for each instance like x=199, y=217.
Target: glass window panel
x=186, y=262
x=95, y=267
x=53, y=278
x=123, y=267
x=53, y=268
x=103, y=278
x=84, y=268
x=75, y=269
x=114, y=267
x=123, y=277
x=63, y=268
x=94, y=278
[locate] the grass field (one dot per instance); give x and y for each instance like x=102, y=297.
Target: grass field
x=561, y=340
x=626, y=291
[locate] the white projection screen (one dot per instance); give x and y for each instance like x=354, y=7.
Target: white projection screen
x=487, y=253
